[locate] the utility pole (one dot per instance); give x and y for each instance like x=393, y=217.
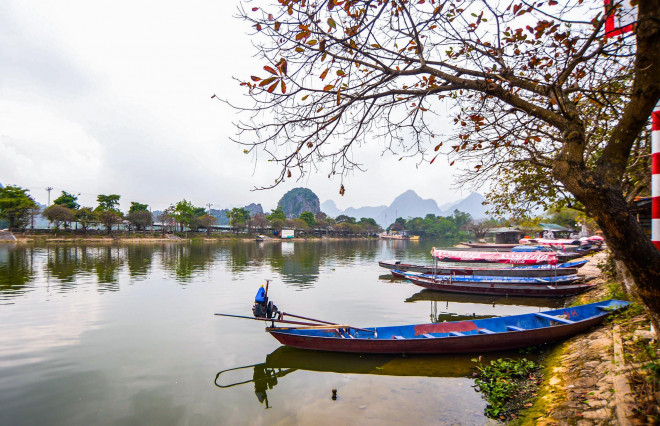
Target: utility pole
x=209, y=206
x=50, y=188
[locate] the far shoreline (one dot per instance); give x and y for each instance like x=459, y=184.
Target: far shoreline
x=111, y=239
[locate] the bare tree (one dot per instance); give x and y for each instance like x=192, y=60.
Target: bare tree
x=543, y=103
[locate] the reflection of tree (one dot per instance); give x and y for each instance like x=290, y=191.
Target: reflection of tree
x=16, y=269
x=108, y=261
x=186, y=261
x=139, y=257
x=64, y=262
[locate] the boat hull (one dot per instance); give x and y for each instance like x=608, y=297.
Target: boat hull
x=479, y=339
x=502, y=289
x=485, y=279
x=493, y=272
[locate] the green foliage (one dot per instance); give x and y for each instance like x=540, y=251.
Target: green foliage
x=137, y=207
x=238, y=216
x=67, y=200
x=368, y=221
x=140, y=218
x=501, y=382
x=16, y=205
x=434, y=226
x=85, y=217
x=276, y=214
x=187, y=215
x=342, y=218
x=108, y=218
x=565, y=217
x=308, y=217
x=207, y=221
x=58, y=215
x=108, y=202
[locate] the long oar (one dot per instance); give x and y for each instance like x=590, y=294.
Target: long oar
x=329, y=324
x=305, y=318
x=267, y=319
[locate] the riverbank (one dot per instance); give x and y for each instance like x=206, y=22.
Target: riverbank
x=29, y=238
x=605, y=376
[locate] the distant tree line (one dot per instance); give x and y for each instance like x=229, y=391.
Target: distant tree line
x=18, y=208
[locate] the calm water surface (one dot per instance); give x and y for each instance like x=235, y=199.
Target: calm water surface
x=125, y=334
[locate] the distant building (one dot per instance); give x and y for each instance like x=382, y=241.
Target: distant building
x=505, y=235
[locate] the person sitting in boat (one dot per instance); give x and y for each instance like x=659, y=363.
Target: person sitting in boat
x=262, y=307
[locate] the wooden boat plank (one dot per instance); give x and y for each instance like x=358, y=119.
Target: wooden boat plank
x=554, y=318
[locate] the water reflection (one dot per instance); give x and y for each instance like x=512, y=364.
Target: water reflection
x=485, y=299
x=286, y=360
x=299, y=264
x=16, y=269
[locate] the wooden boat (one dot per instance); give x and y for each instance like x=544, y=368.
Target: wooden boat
x=493, y=271
x=503, y=289
x=534, y=258
x=576, y=264
x=459, y=279
x=482, y=335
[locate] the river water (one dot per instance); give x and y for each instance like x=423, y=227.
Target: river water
x=125, y=334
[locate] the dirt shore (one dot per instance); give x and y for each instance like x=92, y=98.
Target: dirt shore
x=589, y=379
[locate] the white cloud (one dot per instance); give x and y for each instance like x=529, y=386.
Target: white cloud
x=115, y=97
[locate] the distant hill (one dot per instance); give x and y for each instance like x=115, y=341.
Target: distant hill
x=409, y=204
x=328, y=207
x=299, y=200
x=471, y=204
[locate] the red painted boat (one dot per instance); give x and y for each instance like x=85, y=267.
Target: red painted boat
x=516, y=258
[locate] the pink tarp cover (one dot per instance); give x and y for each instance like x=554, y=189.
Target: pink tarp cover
x=537, y=258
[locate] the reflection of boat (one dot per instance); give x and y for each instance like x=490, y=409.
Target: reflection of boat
x=503, y=289
x=436, y=296
x=486, y=279
x=478, y=271
x=481, y=335
x=285, y=360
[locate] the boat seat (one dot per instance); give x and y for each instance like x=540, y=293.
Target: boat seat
x=485, y=331
x=456, y=333
x=514, y=328
x=554, y=318
x=429, y=336
x=398, y=337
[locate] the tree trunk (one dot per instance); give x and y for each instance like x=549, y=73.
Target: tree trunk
x=629, y=244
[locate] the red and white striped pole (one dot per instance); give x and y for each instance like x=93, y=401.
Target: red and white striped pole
x=655, y=177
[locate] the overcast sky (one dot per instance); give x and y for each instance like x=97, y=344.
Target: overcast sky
x=100, y=97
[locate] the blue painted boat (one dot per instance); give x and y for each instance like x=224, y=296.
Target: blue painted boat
x=482, y=335
x=498, y=288
x=496, y=271
x=576, y=264
x=486, y=279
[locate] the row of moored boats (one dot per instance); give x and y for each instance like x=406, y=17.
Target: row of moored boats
x=515, y=272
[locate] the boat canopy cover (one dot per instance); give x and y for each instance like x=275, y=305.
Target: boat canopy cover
x=535, y=258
